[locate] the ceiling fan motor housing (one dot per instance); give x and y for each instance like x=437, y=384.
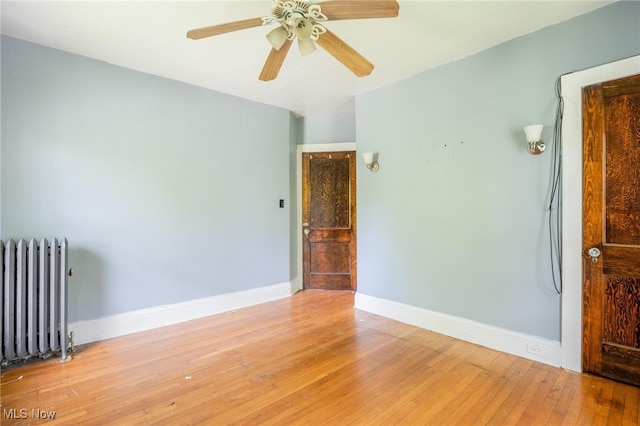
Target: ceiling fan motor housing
x=299, y=18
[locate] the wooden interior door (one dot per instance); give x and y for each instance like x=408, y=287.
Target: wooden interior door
x=611, y=229
x=329, y=220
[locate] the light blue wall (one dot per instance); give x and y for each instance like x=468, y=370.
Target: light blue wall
x=455, y=220
x=166, y=192
x=322, y=129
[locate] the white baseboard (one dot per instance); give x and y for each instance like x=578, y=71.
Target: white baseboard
x=146, y=319
x=519, y=344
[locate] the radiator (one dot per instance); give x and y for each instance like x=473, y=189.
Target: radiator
x=34, y=300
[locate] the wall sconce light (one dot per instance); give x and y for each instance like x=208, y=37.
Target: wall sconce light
x=370, y=162
x=534, y=133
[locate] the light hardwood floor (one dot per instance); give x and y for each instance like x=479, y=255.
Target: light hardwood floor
x=308, y=359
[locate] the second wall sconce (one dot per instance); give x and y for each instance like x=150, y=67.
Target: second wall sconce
x=534, y=134
x=370, y=162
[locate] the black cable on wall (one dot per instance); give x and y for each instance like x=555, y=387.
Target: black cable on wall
x=555, y=198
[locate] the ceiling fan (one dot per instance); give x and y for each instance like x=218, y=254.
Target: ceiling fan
x=301, y=19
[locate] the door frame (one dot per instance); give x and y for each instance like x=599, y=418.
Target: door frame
x=296, y=284
x=571, y=317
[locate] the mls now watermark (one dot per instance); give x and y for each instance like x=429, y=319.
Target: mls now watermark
x=23, y=413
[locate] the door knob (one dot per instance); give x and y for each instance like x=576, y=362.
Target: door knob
x=306, y=231
x=594, y=252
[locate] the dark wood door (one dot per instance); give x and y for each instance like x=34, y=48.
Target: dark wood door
x=329, y=220
x=611, y=229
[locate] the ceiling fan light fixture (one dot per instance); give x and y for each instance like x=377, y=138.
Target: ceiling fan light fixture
x=292, y=18
x=303, y=29
x=277, y=37
x=306, y=46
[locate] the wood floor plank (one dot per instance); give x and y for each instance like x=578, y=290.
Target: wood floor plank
x=488, y=396
x=536, y=409
x=308, y=359
x=631, y=409
x=578, y=402
x=616, y=410
x=561, y=395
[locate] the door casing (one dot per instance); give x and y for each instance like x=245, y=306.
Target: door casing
x=296, y=284
x=571, y=318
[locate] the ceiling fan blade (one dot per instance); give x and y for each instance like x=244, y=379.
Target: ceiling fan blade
x=359, y=9
x=199, y=33
x=344, y=53
x=274, y=62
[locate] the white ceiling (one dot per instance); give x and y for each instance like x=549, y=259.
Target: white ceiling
x=149, y=36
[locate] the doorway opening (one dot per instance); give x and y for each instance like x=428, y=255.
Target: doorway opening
x=297, y=283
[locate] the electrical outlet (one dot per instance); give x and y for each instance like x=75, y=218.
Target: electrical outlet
x=534, y=348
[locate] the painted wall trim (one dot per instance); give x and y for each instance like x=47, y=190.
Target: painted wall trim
x=571, y=334
x=147, y=319
x=296, y=282
x=519, y=344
